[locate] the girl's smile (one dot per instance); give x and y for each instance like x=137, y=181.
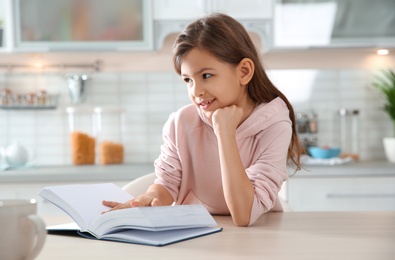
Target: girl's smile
x=205, y=105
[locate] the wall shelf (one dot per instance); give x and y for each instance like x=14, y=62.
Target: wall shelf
x=49, y=102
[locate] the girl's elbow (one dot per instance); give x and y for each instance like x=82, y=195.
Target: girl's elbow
x=241, y=222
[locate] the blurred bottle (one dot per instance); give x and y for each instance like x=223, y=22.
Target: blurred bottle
x=313, y=122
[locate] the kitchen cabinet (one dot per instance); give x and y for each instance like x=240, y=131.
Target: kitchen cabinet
x=190, y=10
x=5, y=26
x=361, y=187
x=173, y=16
x=119, y=25
x=302, y=24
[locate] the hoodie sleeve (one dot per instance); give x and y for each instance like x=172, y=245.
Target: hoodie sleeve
x=270, y=170
x=167, y=165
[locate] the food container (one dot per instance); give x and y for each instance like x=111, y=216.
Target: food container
x=110, y=132
x=82, y=129
x=349, y=132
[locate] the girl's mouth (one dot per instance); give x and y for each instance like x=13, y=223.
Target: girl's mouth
x=204, y=105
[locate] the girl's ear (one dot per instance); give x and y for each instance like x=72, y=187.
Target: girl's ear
x=246, y=68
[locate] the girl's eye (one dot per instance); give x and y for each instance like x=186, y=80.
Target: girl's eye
x=187, y=80
x=207, y=75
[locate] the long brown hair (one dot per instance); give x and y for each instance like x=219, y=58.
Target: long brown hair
x=226, y=39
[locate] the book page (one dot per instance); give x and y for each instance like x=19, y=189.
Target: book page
x=153, y=219
x=84, y=200
x=179, y=216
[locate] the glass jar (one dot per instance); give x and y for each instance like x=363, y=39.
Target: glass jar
x=82, y=129
x=110, y=134
x=349, y=132
x=312, y=123
x=301, y=123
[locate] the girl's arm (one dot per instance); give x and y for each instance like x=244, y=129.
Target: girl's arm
x=238, y=190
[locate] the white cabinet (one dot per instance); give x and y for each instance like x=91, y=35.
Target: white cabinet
x=247, y=9
x=322, y=24
x=5, y=26
x=172, y=16
x=362, y=193
x=192, y=9
x=118, y=25
x=178, y=9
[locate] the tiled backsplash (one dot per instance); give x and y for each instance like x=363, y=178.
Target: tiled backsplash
x=149, y=98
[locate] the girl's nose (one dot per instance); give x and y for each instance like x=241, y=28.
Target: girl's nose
x=197, y=90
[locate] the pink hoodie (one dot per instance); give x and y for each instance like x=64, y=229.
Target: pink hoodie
x=189, y=168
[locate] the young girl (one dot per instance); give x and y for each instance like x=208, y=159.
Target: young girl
x=230, y=148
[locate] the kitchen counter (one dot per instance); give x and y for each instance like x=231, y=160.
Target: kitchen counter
x=132, y=171
x=40, y=174
x=354, y=169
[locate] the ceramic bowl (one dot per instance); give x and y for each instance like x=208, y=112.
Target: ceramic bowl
x=323, y=152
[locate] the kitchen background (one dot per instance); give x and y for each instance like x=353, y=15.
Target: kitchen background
x=143, y=85
x=147, y=99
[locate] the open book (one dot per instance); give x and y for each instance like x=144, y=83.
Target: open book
x=157, y=226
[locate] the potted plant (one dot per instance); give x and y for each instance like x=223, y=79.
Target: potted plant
x=385, y=83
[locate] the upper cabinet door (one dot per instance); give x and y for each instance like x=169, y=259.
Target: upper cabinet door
x=90, y=25
x=246, y=9
x=168, y=10
x=334, y=23
x=192, y=9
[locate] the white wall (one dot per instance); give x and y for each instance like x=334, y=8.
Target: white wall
x=149, y=97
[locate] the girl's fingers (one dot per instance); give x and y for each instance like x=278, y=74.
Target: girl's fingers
x=134, y=203
x=139, y=202
x=110, y=204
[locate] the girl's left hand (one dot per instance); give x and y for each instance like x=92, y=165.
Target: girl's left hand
x=226, y=120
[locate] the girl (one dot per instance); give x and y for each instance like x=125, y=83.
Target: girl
x=229, y=149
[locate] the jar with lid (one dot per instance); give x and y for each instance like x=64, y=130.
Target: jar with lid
x=349, y=132
x=82, y=130
x=312, y=123
x=110, y=134
x=301, y=123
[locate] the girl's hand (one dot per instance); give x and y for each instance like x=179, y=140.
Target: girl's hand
x=141, y=201
x=226, y=120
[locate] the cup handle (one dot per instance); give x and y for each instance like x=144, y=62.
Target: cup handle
x=41, y=235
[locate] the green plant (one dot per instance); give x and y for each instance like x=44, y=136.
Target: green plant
x=385, y=82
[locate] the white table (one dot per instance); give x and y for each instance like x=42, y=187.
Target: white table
x=288, y=235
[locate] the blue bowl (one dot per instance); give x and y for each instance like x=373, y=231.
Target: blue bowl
x=322, y=152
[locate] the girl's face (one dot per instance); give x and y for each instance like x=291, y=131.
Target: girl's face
x=212, y=84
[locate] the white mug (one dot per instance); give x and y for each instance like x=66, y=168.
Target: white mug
x=22, y=232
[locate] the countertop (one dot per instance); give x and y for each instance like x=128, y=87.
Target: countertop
x=115, y=172
x=287, y=235
x=129, y=172
x=353, y=169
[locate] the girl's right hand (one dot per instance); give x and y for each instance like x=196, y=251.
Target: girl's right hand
x=143, y=200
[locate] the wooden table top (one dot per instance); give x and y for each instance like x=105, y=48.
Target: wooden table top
x=285, y=235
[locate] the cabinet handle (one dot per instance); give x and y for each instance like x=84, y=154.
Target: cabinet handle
x=357, y=196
